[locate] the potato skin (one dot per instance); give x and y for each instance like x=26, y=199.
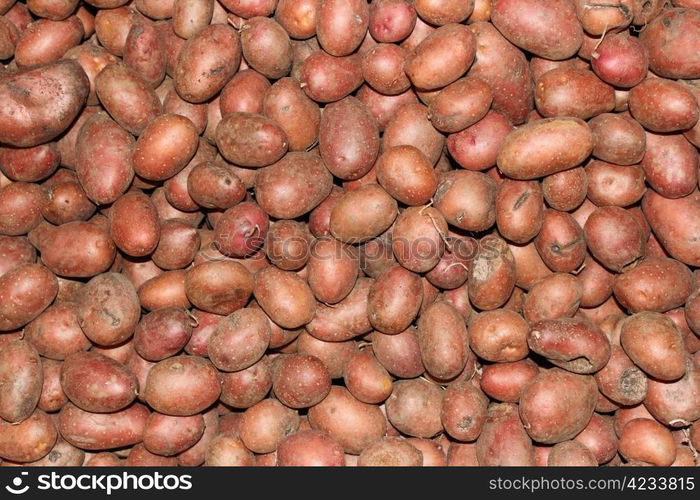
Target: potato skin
x=355, y=425
x=134, y=225
x=394, y=300
x=669, y=40
x=348, y=138
x=332, y=269
x=21, y=379
x=491, y=274
x=414, y=408
x=52, y=96
x=219, y=287
x=286, y=103
x=554, y=296
x=574, y=344
x=239, y=340
x=617, y=138
x=648, y=441
x=614, y=237
x=442, y=337
x=573, y=92
x=200, y=72
x=96, y=383
x=545, y=147
x=182, y=386
x=165, y=147
x=390, y=452
x=561, y=242
x=285, y=297
x=250, y=140
x=499, y=335
x=670, y=164
x=102, y=431
x=410, y=125
x=675, y=224
x=29, y=440
x=346, y=319
x=621, y=380
x=677, y=403
x=610, y=184
x=463, y=411
x=326, y=78
x=655, y=345
x=350, y=224
x=127, y=97
x=506, y=381
x=663, y=105
x=293, y=186
x=24, y=293
x=655, y=284
x=341, y=25
x=519, y=210
x=557, y=405
x=108, y=309
x=467, y=199
x=548, y=29
x=503, y=440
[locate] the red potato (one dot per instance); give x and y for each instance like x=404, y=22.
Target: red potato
x=134, y=226
x=614, y=238
x=428, y=69
x=22, y=378
x=467, y=200
x=297, y=17
x=264, y=426
x=25, y=292
x=648, y=441
x=326, y=78
x=20, y=208
x=460, y=105
x=499, y=335
x=669, y=41
x=285, y=297
x=399, y=354
x=476, y=147
x=554, y=296
x=163, y=333
x=506, y=381
x=145, y=53
x=29, y=440
x=191, y=16
x=247, y=387
x=220, y=287
x=239, y=340
x=366, y=378
x=414, y=408
x=46, y=40
x=675, y=404
x=621, y=380
x=663, y=105
x=102, y=431
x=382, y=69
x=573, y=92
x=516, y=449
x=620, y=60
x=309, y=448
x=286, y=103
x=29, y=164
x=332, y=269
x=411, y=126
x=519, y=210
x=341, y=25
x=443, y=341
x=491, y=274
x=344, y=320
x=266, y=47
x=394, y=300
x=677, y=233
x=670, y=164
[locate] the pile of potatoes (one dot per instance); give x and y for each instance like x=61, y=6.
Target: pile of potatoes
x=349, y=232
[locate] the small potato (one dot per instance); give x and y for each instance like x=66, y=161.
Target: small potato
x=300, y=381
x=620, y=60
x=15, y=251
x=383, y=107
x=399, y=354
x=491, y=274
x=56, y=333
x=621, y=380
x=610, y=184
x=414, y=408
x=332, y=269
x=46, y=40
x=264, y=426
x=655, y=284
x=96, y=383
x=353, y=424
x=663, y=105
x=127, y=97
x=104, y=159
x=167, y=289
x=108, y=309
x=476, y=147
x=165, y=146
x=145, y=52
x=618, y=139
x=287, y=244
x=29, y=164
x=241, y=230
x=178, y=244
x=574, y=344
x=444, y=344
x=351, y=224
x=219, y=287
x=390, y=452
x=191, y=16
x=244, y=93
x=293, y=186
x=286, y=104
x=570, y=401
x=326, y=78
x=366, y=378
x=334, y=355
x=519, y=209
x=29, y=440
x=561, y=242
x=565, y=190
x=349, y=138
x=391, y=20
x=21, y=379
x=346, y=319
x=499, y=335
x=382, y=68
x=310, y=448
x=25, y=292
x=670, y=164
x=442, y=57
x=648, y=441
x=460, y=105
x=614, y=237
x=464, y=409
x=266, y=47
x=66, y=202
x=411, y=126
x=248, y=387
x=134, y=225
x=102, y=431
x=341, y=25
x=547, y=29
x=285, y=297
x=669, y=40
x=182, y=386
x=394, y=300
x=654, y=343
x=674, y=223
x=555, y=296
x=505, y=69
x=545, y=147
x=20, y=208
x=573, y=92
x=407, y=175
x=467, y=200
x=162, y=333
x=200, y=72
x=297, y=17
x=239, y=340
x=675, y=404
x=506, y=381
x=503, y=440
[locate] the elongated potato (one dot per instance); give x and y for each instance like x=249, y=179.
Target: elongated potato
x=102, y=431
x=40, y=103
x=491, y=274
x=24, y=293
x=675, y=224
x=60, y=245
x=346, y=319
x=250, y=140
x=285, y=297
x=165, y=147
x=394, y=300
x=21, y=380
x=219, y=287
x=503, y=440
x=443, y=341
x=545, y=147
x=655, y=284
